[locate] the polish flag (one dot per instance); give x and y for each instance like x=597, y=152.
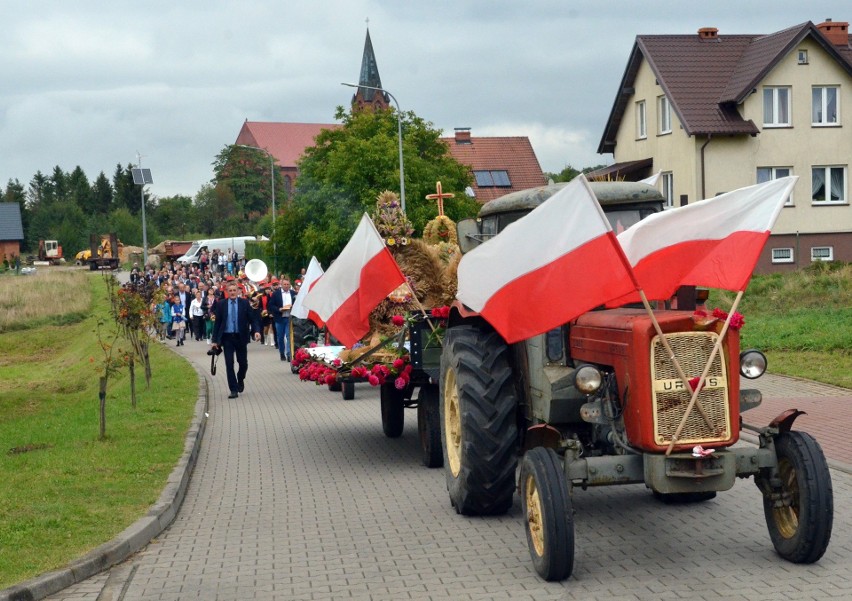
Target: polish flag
x=312, y=274
x=359, y=279
x=713, y=243
x=542, y=271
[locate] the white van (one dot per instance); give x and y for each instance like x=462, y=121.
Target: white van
x=237, y=243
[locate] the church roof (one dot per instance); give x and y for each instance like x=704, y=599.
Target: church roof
x=285, y=141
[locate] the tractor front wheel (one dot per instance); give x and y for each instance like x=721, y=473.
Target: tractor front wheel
x=548, y=514
x=799, y=507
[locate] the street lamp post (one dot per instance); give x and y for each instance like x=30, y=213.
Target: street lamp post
x=399, y=135
x=272, y=181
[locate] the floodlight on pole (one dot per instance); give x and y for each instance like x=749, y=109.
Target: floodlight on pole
x=399, y=135
x=142, y=177
x=272, y=181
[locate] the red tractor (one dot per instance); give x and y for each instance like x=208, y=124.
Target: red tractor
x=598, y=401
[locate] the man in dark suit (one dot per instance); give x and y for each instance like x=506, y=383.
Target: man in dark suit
x=231, y=333
x=278, y=306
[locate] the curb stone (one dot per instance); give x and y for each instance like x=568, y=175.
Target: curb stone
x=137, y=535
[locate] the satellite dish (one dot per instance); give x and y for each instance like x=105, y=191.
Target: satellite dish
x=256, y=270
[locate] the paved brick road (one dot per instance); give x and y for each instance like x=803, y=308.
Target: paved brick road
x=298, y=495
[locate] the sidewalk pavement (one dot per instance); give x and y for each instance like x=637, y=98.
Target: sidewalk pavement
x=828, y=408
x=296, y=494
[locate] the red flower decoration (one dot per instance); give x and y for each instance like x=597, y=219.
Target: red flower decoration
x=373, y=380
x=737, y=321
x=397, y=363
x=400, y=383
x=398, y=320
x=719, y=314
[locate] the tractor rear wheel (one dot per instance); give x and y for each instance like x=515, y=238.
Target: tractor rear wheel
x=800, y=509
x=479, y=433
x=348, y=390
x=548, y=514
x=429, y=426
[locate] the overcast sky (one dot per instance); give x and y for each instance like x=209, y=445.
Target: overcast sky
x=91, y=82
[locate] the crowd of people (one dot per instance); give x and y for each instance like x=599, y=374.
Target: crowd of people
x=192, y=292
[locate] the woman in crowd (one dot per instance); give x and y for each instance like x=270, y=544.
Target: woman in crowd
x=196, y=312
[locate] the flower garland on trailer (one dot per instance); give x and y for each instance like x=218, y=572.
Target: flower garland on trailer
x=377, y=372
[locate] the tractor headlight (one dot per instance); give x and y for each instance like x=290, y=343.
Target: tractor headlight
x=752, y=364
x=587, y=379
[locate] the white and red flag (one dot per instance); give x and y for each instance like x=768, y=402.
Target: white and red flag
x=363, y=274
x=552, y=265
x=312, y=274
x=713, y=243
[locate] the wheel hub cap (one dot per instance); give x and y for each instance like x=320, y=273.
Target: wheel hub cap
x=534, y=517
x=452, y=422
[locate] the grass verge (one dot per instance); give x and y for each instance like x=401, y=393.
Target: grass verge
x=802, y=320
x=65, y=492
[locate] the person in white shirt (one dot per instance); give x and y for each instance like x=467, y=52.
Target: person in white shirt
x=196, y=312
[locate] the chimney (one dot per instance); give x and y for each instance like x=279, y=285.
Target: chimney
x=708, y=33
x=836, y=33
x=463, y=135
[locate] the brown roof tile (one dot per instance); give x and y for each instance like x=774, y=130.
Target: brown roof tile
x=705, y=78
x=285, y=141
x=515, y=155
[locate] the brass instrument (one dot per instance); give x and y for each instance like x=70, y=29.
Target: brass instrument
x=255, y=271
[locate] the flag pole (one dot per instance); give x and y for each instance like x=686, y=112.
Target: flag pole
x=671, y=355
x=657, y=328
x=693, y=402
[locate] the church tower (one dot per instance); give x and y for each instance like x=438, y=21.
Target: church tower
x=366, y=97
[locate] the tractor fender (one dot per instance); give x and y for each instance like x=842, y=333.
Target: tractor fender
x=785, y=420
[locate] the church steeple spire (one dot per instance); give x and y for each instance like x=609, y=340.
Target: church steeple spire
x=370, y=77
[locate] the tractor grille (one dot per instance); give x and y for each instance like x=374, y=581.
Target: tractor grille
x=671, y=397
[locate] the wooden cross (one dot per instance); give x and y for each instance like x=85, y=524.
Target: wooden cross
x=439, y=196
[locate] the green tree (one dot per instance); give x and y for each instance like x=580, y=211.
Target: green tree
x=215, y=205
x=126, y=225
x=341, y=176
x=125, y=192
x=245, y=171
x=79, y=190
x=59, y=179
x=173, y=215
x=566, y=175
x=101, y=195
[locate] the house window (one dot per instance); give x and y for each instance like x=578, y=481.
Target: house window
x=765, y=174
x=641, y=123
x=824, y=105
x=665, y=115
x=668, y=188
x=822, y=253
x=782, y=255
x=803, y=57
x=776, y=107
x=828, y=184
x=492, y=179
